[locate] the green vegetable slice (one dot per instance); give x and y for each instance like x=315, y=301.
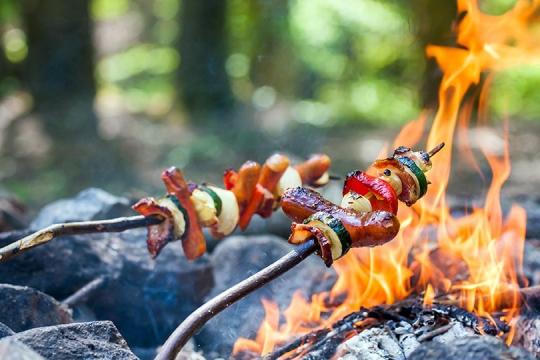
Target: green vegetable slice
x=336, y=225
x=177, y=203
x=215, y=197
x=411, y=165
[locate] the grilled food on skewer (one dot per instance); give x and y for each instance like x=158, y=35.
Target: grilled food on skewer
x=367, y=214
x=253, y=189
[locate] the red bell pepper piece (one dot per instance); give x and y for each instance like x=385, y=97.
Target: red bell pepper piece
x=385, y=197
x=229, y=178
x=252, y=207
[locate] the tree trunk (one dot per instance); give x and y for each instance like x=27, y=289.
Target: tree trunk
x=59, y=73
x=434, y=20
x=202, y=78
x=59, y=69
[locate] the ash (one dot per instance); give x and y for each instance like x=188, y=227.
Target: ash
x=403, y=331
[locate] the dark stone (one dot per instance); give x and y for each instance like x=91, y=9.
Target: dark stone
x=149, y=298
x=92, y=340
x=470, y=348
x=11, y=349
x=5, y=331
x=65, y=264
x=89, y=204
x=235, y=259
x=23, y=308
x=145, y=298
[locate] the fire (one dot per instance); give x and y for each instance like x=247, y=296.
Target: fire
x=475, y=259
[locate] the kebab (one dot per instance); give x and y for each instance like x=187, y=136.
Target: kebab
x=367, y=213
x=253, y=189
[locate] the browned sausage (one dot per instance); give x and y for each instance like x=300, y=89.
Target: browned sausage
x=248, y=175
x=366, y=229
x=313, y=168
x=273, y=169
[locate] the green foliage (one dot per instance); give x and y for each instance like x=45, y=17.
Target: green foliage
x=515, y=93
x=364, y=55
x=142, y=74
x=496, y=7
x=108, y=9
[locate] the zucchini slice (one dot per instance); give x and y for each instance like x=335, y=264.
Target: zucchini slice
x=418, y=173
x=334, y=230
x=228, y=218
x=181, y=220
x=217, y=200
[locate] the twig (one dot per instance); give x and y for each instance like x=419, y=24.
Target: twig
x=84, y=227
x=10, y=236
x=83, y=293
x=431, y=334
x=202, y=315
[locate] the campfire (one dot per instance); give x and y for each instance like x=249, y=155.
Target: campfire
x=441, y=268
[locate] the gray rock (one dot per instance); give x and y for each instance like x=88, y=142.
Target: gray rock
x=470, y=348
x=89, y=204
x=235, y=259
x=23, y=308
x=528, y=333
x=5, y=331
x=149, y=298
x=145, y=298
x=93, y=340
x=65, y=264
x=11, y=349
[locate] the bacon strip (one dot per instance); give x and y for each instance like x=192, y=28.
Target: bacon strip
x=193, y=241
x=302, y=232
x=160, y=234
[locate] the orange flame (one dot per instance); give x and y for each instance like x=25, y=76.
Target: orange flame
x=476, y=258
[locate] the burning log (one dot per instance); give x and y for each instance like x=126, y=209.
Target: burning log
x=408, y=320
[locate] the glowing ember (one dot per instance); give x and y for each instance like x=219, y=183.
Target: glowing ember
x=476, y=259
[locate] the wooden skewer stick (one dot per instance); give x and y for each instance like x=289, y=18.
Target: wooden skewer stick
x=43, y=236
x=207, y=311
x=436, y=149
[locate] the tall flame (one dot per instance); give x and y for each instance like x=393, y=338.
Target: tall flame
x=476, y=258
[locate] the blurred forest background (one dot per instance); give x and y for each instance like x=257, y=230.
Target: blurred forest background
x=109, y=92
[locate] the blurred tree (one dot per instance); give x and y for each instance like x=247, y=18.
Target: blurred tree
x=59, y=72
x=434, y=19
x=59, y=69
x=203, y=81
